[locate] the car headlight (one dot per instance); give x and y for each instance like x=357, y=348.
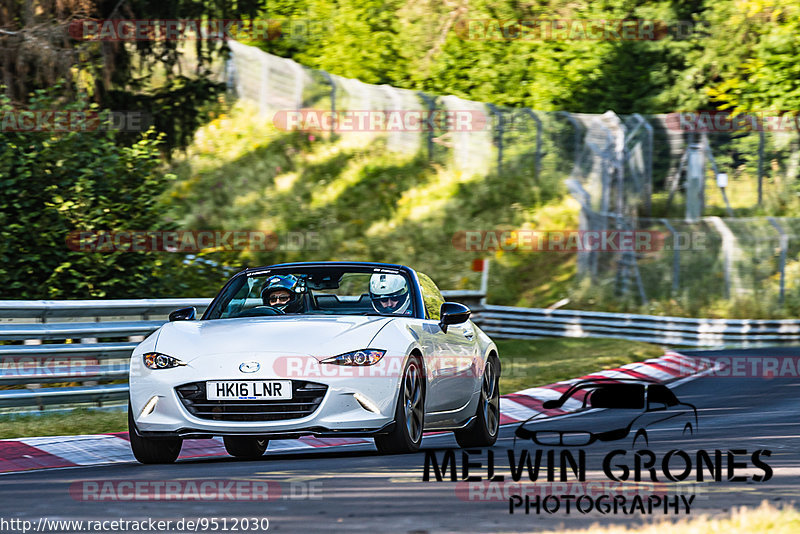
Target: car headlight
x=357, y=357
x=156, y=360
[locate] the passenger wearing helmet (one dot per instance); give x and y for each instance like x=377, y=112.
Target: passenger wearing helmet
x=284, y=293
x=389, y=294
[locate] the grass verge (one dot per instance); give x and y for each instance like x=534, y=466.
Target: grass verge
x=526, y=363
x=77, y=422
x=538, y=362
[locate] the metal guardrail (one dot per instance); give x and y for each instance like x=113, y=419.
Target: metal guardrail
x=46, y=309
x=521, y=323
x=105, y=345
x=84, y=368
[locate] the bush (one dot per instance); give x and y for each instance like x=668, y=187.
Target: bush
x=54, y=183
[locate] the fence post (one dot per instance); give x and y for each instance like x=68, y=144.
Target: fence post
x=784, y=241
x=535, y=117
x=333, y=100
x=760, y=163
x=728, y=246
x=648, y=165
x=695, y=182
x=710, y=156
x=498, y=136
x=676, y=256
x=431, y=104
x=576, y=138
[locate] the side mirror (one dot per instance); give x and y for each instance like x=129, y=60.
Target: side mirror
x=551, y=404
x=184, y=314
x=453, y=313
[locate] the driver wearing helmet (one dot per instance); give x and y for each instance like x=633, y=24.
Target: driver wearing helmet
x=284, y=293
x=389, y=294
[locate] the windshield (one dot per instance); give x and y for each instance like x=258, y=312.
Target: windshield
x=316, y=291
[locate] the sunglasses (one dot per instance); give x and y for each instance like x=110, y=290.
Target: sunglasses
x=279, y=299
x=388, y=301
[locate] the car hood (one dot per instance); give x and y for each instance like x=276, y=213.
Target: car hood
x=320, y=337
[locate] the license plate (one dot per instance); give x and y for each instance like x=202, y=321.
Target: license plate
x=249, y=390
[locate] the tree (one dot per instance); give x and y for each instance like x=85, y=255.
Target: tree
x=44, y=41
x=55, y=183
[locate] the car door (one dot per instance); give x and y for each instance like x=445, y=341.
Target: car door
x=454, y=366
x=665, y=417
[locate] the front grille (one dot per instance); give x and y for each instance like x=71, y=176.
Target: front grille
x=306, y=397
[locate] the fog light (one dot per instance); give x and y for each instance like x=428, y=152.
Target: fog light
x=547, y=438
x=149, y=407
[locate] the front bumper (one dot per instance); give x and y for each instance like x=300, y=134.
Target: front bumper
x=352, y=405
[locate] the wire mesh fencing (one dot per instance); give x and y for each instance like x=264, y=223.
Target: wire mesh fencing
x=626, y=171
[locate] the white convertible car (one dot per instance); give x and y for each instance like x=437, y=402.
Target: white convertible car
x=324, y=349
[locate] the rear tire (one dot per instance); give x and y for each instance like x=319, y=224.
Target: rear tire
x=409, y=416
x=152, y=451
x=483, y=430
x=244, y=447
x=641, y=436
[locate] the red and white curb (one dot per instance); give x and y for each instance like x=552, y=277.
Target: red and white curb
x=669, y=368
x=26, y=454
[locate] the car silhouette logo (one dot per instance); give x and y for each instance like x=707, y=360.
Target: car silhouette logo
x=633, y=409
x=249, y=367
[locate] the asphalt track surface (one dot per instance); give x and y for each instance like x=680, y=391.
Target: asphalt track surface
x=355, y=490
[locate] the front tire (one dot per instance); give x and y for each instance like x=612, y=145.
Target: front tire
x=409, y=415
x=244, y=447
x=152, y=451
x=483, y=430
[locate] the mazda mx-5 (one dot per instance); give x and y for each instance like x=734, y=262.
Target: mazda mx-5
x=323, y=349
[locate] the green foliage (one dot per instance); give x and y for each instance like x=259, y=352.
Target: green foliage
x=431, y=296
x=177, y=109
x=56, y=183
x=429, y=46
x=704, y=54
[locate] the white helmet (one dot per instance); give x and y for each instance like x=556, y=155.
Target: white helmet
x=389, y=293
